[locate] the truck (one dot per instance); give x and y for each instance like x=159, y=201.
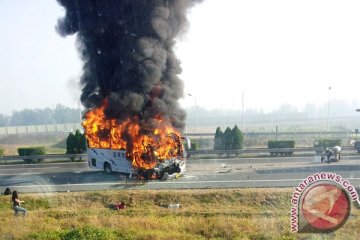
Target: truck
x=113, y=160
x=281, y=148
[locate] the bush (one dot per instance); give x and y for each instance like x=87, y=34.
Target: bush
x=50, y=235
x=31, y=151
x=205, y=143
x=327, y=143
x=281, y=144
x=1, y=152
x=194, y=146
x=85, y=233
x=90, y=233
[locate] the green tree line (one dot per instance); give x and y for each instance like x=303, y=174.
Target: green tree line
x=60, y=115
x=231, y=139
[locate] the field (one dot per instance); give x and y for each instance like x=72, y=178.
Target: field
x=203, y=214
x=54, y=143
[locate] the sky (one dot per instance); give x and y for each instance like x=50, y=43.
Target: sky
x=275, y=52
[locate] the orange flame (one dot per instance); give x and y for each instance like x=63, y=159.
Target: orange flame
x=145, y=147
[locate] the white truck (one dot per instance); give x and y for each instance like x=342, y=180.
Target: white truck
x=112, y=160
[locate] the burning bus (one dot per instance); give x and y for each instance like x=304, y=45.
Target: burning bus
x=111, y=160
x=152, y=152
x=130, y=82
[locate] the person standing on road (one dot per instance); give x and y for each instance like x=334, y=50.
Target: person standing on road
x=17, y=204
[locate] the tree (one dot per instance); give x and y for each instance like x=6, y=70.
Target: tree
x=80, y=142
x=228, y=139
x=63, y=114
x=219, y=139
x=70, y=144
x=4, y=120
x=237, y=142
x=237, y=138
x=75, y=143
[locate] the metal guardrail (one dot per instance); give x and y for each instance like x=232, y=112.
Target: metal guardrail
x=266, y=150
x=47, y=156
x=231, y=152
x=207, y=134
x=37, y=129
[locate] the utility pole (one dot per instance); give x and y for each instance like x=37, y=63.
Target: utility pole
x=242, y=113
x=196, y=127
x=357, y=130
x=328, y=113
x=196, y=124
x=53, y=112
x=80, y=115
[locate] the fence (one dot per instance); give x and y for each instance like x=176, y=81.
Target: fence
x=301, y=138
x=49, y=128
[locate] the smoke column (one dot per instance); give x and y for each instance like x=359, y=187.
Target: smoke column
x=127, y=50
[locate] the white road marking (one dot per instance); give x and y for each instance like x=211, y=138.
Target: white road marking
x=77, y=184
x=12, y=169
x=43, y=164
x=30, y=173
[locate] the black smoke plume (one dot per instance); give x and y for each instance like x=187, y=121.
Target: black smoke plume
x=127, y=50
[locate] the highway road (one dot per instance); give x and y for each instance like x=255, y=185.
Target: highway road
x=201, y=173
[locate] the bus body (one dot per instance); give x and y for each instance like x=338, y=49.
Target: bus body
x=111, y=160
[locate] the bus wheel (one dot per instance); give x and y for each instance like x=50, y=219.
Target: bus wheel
x=107, y=168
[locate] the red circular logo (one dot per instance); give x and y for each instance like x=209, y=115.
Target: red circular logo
x=325, y=206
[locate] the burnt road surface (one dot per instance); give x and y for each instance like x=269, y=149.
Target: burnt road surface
x=200, y=173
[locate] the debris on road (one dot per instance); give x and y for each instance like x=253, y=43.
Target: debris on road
x=224, y=170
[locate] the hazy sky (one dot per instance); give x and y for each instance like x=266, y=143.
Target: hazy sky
x=274, y=51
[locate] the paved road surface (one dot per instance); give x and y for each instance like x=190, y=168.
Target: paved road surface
x=201, y=173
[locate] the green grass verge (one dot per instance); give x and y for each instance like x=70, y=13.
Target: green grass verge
x=204, y=214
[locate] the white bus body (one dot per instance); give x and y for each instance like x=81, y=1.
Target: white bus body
x=111, y=160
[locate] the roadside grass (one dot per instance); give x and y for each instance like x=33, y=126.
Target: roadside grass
x=203, y=214
x=53, y=142
x=50, y=148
